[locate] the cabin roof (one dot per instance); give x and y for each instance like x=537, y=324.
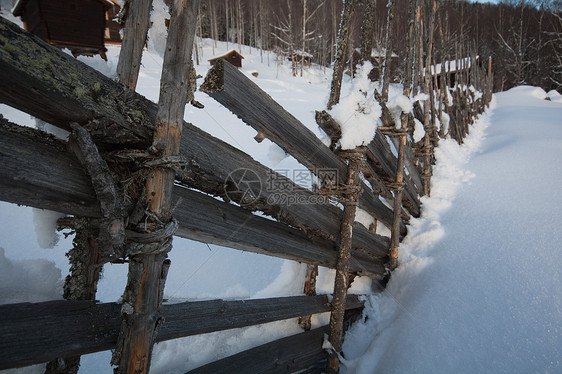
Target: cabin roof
x=232, y=51
x=451, y=66
x=20, y=6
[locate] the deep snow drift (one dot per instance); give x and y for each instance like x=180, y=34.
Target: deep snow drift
x=479, y=288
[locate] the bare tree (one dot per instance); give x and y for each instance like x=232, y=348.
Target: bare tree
x=388, y=50
x=339, y=64
x=367, y=30
x=307, y=36
x=137, y=20
x=285, y=33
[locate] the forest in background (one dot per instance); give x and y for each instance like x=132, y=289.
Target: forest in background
x=524, y=38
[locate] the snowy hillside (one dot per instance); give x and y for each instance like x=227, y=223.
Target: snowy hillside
x=478, y=288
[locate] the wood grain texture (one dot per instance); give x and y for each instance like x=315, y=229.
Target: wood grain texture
x=38, y=171
x=281, y=356
x=134, y=39
x=31, y=332
x=27, y=178
x=256, y=108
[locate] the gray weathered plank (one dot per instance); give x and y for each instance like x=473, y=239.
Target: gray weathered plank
x=31, y=332
x=256, y=108
x=50, y=177
x=379, y=149
x=37, y=170
x=382, y=162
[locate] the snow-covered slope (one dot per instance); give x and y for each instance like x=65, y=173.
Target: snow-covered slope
x=479, y=288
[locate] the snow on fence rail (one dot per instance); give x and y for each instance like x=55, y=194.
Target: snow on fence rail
x=121, y=122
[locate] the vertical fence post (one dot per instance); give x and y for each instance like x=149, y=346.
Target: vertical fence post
x=81, y=283
x=151, y=239
x=309, y=290
x=137, y=21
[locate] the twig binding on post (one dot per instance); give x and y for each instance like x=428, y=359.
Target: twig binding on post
x=357, y=159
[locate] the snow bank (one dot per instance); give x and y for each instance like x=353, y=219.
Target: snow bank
x=28, y=280
x=45, y=223
x=358, y=113
x=478, y=288
x=555, y=96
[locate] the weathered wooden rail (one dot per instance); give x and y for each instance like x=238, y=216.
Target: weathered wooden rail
x=122, y=123
x=31, y=332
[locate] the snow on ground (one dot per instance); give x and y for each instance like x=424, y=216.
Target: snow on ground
x=478, y=289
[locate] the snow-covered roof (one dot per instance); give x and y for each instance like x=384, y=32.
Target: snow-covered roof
x=452, y=65
x=232, y=51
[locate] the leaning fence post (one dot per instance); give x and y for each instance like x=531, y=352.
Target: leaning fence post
x=309, y=290
x=350, y=194
x=150, y=239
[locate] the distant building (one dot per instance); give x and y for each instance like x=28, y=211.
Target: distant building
x=83, y=26
x=377, y=59
x=232, y=56
x=300, y=56
x=451, y=69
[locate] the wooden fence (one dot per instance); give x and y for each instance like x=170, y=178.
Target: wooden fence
x=121, y=123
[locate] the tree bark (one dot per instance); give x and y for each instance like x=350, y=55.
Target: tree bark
x=408, y=66
x=367, y=30
x=350, y=196
x=341, y=51
x=388, y=52
x=309, y=290
x=399, y=188
x=134, y=39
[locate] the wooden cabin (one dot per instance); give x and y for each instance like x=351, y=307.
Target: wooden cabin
x=300, y=56
x=79, y=25
x=232, y=56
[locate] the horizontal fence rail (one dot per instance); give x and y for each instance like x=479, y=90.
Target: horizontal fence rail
x=38, y=332
x=51, y=178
